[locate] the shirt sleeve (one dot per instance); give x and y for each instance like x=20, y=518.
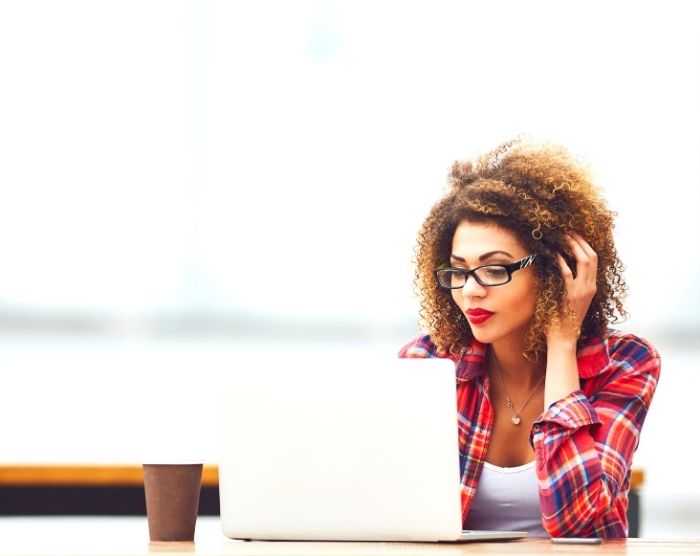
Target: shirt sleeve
x=584, y=446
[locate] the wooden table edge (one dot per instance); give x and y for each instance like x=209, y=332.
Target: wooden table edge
x=87, y=475
x=123, y=475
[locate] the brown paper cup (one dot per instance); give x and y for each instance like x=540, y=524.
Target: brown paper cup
x=172, y=500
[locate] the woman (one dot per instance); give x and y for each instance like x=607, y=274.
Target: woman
x=519, y=279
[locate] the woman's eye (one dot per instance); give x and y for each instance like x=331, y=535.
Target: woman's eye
x=494, y=272
x=457, y=276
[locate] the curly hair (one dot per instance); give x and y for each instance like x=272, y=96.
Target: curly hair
x=540, y=193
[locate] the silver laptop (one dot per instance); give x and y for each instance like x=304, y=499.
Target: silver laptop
x=342, y=449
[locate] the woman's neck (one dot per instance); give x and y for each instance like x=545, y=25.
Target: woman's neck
x=512, y=364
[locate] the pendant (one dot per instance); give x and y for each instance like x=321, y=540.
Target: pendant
x=515, y=420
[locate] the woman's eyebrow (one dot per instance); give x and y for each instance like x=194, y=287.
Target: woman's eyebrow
x=482, y=257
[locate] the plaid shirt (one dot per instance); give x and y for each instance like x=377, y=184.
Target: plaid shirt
x=583, y=443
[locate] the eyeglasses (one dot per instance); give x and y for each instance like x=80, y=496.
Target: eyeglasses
x=487, y=275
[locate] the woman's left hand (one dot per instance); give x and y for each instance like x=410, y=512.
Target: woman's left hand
x=579, y=290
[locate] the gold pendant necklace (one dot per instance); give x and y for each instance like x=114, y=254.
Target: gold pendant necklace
x=515, y=419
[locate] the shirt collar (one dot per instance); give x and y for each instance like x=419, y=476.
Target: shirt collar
x=592, y=357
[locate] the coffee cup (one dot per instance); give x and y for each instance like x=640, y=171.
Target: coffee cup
x=172, y=499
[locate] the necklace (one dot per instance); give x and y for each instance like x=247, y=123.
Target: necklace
x=515, y=419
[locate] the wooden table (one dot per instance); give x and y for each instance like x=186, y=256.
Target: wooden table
x=109, y=489
x=123, y=475
x=128, y=536
x=86, y=475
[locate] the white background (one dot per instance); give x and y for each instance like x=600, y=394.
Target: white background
x=186, y=179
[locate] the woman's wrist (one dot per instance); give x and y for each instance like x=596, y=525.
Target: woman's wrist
x=564, y=345
x=562, y=371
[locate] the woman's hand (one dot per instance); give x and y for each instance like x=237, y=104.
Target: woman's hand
x=562, y=369
x=579, y=291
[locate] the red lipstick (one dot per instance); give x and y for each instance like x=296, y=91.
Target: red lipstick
x=478, y=316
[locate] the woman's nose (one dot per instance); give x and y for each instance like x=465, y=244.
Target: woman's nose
x=472, y=288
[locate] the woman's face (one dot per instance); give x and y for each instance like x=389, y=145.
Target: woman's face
x=512, y=305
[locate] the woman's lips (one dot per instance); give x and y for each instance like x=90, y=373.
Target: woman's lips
x=478, y=316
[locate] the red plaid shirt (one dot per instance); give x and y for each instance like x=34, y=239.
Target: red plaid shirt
x=583, y=443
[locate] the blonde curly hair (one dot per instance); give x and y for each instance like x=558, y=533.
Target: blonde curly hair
x=540, y=193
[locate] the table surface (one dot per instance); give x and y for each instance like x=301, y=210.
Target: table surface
x=128, y=536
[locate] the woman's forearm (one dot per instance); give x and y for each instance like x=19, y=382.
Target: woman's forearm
x=562, y=371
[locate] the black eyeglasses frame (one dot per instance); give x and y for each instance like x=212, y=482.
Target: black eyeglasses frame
x=509, y=268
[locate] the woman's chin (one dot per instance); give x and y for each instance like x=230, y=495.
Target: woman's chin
x=481, y=335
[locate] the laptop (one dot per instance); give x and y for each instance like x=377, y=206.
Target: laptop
x=342, y=449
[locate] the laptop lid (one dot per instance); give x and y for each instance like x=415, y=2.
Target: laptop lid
x=340, y=449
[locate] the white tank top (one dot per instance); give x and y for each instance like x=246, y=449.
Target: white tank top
x=506, y=499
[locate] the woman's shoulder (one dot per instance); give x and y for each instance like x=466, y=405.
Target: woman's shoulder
x=419, y=347
x=629, y=353
x=630, y=347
